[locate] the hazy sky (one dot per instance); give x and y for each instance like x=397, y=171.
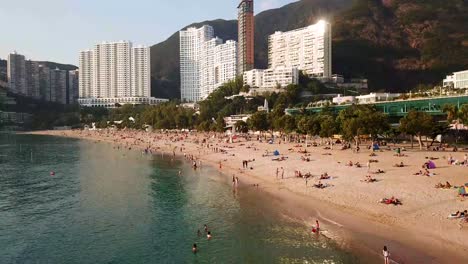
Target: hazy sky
x=56, y=30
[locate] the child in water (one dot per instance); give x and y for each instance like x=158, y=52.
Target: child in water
x=194, y=249
x=208, y=236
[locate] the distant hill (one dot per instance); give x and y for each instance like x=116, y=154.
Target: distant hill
x=54, y=65
x=396, y=44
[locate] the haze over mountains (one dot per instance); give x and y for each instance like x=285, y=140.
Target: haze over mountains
x=396, y=44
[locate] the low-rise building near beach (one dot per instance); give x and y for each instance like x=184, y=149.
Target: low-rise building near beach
x=376, y=97
x=271, y=79
x=458, y=80
x=231, y=121
x=118, y=101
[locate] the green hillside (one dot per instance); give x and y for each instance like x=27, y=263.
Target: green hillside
x=396, y=44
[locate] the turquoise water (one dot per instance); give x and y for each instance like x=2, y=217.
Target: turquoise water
x=105, y=205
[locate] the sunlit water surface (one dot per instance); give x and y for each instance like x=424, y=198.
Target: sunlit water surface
x=105, y=205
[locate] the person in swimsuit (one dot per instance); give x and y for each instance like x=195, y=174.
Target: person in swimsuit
x=208, y=236
x=194, y=249
x=386, y=255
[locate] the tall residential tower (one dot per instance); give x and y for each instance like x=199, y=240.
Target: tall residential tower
x=205, y=62
x=16, y=72
x=192, y=43
x=246, y=32
x=115, y=73
x=309, y=49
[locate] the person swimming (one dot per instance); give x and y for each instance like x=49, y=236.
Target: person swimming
x=198, y=233
x=208, y=236
x=206, y=228
x=194, y=249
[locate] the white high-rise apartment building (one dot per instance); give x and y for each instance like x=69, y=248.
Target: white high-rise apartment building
x=225, y=65
x=309, y=49
x=205, y=62
x=117, y=71
x=141, y=78
x=16, y=73
x=192, y=42
x=86, y=74
x=73, y=87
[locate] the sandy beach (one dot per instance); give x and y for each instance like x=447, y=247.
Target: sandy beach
x=418, y=231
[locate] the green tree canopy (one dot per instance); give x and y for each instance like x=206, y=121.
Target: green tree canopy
x=360, y=120
x=258, y=122
x=418, y=124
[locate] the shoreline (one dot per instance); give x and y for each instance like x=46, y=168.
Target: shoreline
x=364, y=229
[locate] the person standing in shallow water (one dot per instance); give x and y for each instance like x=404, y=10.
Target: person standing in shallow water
x=194, y=249
x=386, y=255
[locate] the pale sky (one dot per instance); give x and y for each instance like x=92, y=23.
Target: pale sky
x=56, y=30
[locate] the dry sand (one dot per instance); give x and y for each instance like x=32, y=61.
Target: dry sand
x=416, y=232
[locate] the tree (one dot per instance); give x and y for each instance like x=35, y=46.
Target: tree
x=360, y=120
x=418, y=124
x=439, y=129
x=258, y=122
x=451, y=111
x=392, y=133
x=241, y=126
x=463, y=114
x=286, y=124
x=308, y=125
x=328, y=126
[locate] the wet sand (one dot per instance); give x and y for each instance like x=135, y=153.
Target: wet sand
x=416, y=232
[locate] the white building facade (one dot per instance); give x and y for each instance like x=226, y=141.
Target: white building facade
x=309, y=49
x=205, y=62
x=140, y=68
x=16, y=73
x=270, y=79
x=192, y=42
x=458, y=80
x=114, y=70
x=36, y=80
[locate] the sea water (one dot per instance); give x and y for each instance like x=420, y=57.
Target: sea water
x=76, y=201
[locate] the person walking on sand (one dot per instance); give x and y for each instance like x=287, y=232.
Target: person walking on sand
x=282, y=173
x=386, y=255
x=277, y=173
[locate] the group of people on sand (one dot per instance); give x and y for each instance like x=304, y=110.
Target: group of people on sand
x=426, y=172
x=453, y=161
x=445, y=185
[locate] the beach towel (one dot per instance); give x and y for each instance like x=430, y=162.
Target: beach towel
x=463, y=190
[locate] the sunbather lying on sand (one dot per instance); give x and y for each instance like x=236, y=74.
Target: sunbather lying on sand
x=401, y=165
x=459, y=214
x=369, y=179
x=320, y=185
x=447, y=185
x=324, y=176
x=392, y=200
